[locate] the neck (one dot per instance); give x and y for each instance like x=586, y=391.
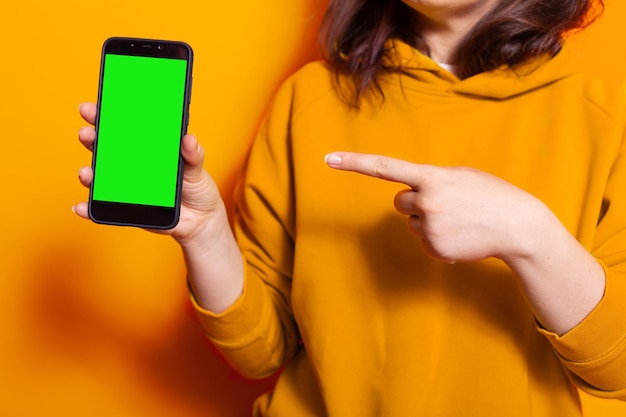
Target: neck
x=442, y=40
x=444, y=28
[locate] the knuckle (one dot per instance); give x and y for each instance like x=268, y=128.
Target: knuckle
x=437, y=250
x=381, y=167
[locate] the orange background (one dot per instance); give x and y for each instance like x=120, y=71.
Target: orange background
x=95, y=320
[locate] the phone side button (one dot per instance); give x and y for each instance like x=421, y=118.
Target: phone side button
x=190, y=89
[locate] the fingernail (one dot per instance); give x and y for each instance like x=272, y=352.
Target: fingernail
x=333, y=159
x=73, y=209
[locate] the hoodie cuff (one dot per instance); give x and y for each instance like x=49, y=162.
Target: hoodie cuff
x=237, y=325
x=595, y=349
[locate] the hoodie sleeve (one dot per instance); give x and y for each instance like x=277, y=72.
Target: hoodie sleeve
x=594, y=352
x=257, y=334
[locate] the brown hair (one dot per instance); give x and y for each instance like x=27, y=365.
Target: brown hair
x=354, y=33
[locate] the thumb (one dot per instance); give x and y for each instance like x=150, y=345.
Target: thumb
x=193, y=154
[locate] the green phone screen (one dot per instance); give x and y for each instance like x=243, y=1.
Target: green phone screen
x=139, y=130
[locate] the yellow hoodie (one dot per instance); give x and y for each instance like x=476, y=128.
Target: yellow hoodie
x=338, y=288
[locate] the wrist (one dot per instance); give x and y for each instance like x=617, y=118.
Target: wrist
x=214, y=263
x=201, y=229
x=560, y=279
x=532, y=235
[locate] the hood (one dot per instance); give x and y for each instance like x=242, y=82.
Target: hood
x=500, y=83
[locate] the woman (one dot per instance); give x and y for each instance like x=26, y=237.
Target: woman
x=510, y=169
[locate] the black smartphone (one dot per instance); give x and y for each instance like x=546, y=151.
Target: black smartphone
x=143, y=110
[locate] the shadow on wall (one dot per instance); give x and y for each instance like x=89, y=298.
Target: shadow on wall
x=79, y=330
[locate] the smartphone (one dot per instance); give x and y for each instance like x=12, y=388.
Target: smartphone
x=143, y=111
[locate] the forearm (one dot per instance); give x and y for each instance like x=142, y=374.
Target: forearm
x=560, y=279
x=214, y=265
x=253, y=329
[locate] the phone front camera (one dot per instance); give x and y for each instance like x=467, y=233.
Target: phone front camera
x=159, y=47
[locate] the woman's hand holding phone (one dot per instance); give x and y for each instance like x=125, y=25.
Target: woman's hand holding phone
x=203, y=231
x=200, y=197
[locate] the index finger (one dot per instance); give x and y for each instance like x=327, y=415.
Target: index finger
x=88, y=112
x=378, y=166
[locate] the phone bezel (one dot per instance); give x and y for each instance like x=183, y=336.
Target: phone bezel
x=137, y=215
